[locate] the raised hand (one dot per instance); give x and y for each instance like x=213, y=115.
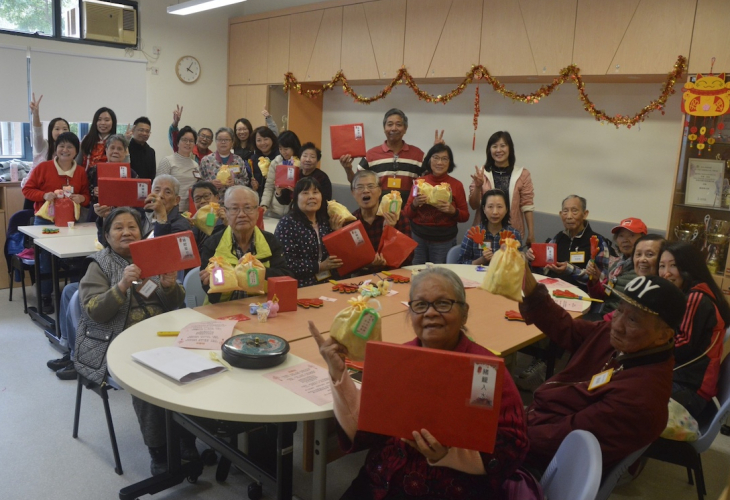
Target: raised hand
x=176, y=115
x=128, y=132
x=332, y=351
x=35, y=104
x=438, y=139
x=265, y=113
x=478, y=176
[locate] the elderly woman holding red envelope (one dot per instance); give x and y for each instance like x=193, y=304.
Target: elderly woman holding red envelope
x=398, y=468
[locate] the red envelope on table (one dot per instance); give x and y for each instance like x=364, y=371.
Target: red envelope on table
x=352, y=245
x=286, y=176
x=179, y=251
x=113, y=170
x=347, y=140
x=402, y=391
x=123, y=192
x=395, y=246
x=545, y=253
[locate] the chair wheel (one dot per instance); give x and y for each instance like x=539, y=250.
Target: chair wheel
x=725, y=429
x=192, y=479
x=255, y=491
x=209, y=457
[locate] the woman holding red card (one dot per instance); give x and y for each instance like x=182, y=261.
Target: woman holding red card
x=398, y=468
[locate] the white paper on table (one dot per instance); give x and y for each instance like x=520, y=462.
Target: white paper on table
x=306, y=380
x=178, y=364
x=327, y=299
x=391, y=293
x=206, y=334
x=570, y=304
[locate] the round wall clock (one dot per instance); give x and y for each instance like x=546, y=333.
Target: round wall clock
x=188, y=69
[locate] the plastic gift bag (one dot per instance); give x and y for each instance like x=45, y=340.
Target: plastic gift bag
x=334, y=208
x=251, y=275
x=65, y=211
x=681, y=426
x=206, y=218
x=506, y=271
x=439, y=193
x=391, y=202
x=395, y=246
x=224, y=173
x=222, y=276
x=355, y=325
x=46, y=211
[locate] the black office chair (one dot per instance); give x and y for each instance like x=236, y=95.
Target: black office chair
x=15, y=242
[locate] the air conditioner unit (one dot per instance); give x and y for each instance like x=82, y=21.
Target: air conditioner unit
x=108, y=22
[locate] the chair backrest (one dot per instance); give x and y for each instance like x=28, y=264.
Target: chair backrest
x=19, y=218
x=194, y=293
x=612, y=477
x=708, y=431
x=575, y=470
x=74, y=309
x=453, y=256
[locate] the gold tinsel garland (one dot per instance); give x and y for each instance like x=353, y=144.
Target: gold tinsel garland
x=479, y=72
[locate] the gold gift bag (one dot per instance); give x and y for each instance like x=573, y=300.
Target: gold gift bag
x=355, y=325
x=506, y=271
x=391, y=202
x=224, y=173
x=222, y=276
x=264, y=164
x=251, y=275
x=441, y=192
x=334, y=208
x=206, y=218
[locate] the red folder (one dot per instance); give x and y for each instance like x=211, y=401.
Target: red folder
x=123, y=192
x=114, y=170
x=545, y=253
x=347, y=140
x=352, y=245
x=395, y=246
x=408, y=388
x=179, y=251
x=286, y=176
x=260, y=220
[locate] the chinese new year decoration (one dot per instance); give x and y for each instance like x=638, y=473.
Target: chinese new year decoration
x=707, y=98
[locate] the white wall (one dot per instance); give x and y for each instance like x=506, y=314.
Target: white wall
x=621, y=172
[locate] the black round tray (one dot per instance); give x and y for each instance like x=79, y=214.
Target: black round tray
x=255, y=350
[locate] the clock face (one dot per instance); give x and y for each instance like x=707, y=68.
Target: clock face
x=188, y=69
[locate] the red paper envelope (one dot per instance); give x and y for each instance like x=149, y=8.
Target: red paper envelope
x=395, y=246
x=405, y=388
x=352, y=245
x=286, y=176
x=545, y=253
x=165, y=254
x=113, y=170
x=123, y=192
x=347, y=140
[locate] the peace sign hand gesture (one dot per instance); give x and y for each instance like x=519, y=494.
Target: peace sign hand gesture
x=176, y=115
x=438, y=139
x=128, y=132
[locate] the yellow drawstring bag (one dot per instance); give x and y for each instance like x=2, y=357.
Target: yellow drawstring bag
x=441, y=192
x=264, y=164
x=391, y=202
x=355, y=325
x=222, y=276
x=224, y=173
x=424, y=188
x=506, y=271
x=206, y=218
x=334, y=208
x=251, y=275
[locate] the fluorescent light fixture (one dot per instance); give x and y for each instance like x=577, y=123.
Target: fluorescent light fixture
x=194, y=6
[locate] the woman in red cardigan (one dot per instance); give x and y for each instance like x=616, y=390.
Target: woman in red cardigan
x=434, y=227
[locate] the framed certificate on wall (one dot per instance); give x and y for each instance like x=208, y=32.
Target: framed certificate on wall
x=704, y=182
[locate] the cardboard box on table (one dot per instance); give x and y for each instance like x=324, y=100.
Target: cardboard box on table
x=352, y=245
x=285, y=289
x=123, y=192
x=347, y=140
x=165, y=254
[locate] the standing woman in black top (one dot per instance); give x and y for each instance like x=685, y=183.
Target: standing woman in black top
x=266, y=145
x=243, y=142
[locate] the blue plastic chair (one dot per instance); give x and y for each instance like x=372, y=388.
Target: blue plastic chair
x=194, y=293
x=575, y=470
x=453, y=256
x=611, y=479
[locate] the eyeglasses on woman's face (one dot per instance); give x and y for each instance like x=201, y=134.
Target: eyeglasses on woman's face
x=440, y=305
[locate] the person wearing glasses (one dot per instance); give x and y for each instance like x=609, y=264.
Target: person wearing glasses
x=204, y=137
x=182, y=165
x=435, y=227
x=211, y=164
x=397, y=468
x=239, y=238
x=204, y=193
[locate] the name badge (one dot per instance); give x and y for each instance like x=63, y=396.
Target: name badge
x=600, y=379
x=393, y=182
x=577, y=257
x=324, y=275
x=147, y=288
x=197, y=175
x=234, y=170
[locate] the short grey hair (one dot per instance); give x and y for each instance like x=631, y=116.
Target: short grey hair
x=114, y=138
x=227, y=130
x=360, y=174
x=583, y=202
x=457, y=286
x=395, y=111
x=245, y=189
x=171, y=179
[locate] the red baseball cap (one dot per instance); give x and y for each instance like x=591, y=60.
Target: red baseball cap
x=634, y=225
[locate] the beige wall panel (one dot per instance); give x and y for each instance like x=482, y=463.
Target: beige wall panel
x=256, y=100
x=458, y=47
x=387, y=24
x=425, y=20
x=248, y=51
x=236, y=54
x=325, y=60
x=358, y=58
x=502, y=20
x=278, y=50
x=236, y=103
x=302, y=36
x=711, y=37
x=550, y=28
x=596, y=41
x=660, y=31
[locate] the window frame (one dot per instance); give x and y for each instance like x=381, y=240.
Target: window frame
x=27, y=146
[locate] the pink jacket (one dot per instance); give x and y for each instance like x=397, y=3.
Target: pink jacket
x=521, y=196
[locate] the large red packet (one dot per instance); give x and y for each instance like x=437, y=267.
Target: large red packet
x=114, y=170
x=347, y=140
x=352, y=245
x=286, y=176
x=545, y=254
x=165, y=254
x=404, y=389
x=123, y=192
x=395, y=247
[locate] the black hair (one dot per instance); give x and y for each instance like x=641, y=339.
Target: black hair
x=266, y=132
x=109, y=220
x=310, y=145
x=651, y=237
x=583, y=201
x=68, y=137
x=438, y=148
x=302, y=185
x=92, y=138
x=250, y=141
x=495, y=192
x=142, y=119
x=495, y=137
x=51, y=141
x=289, y=139
x=395, y=111
x=205, y=128
x=204, y=185
x=187, y=130
x=693, y=269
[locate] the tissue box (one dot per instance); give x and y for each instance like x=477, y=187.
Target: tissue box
x=285, y=289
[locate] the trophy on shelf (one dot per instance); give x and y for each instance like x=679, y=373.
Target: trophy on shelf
x=689, y=232
x=718, y=236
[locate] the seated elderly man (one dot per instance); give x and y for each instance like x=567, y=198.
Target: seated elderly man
x=619, y=379
x=367, y=191
x=241, y=237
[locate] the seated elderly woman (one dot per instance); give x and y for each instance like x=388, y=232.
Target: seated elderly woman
x=110, y=303
x=239, y=238
x=394, y=468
